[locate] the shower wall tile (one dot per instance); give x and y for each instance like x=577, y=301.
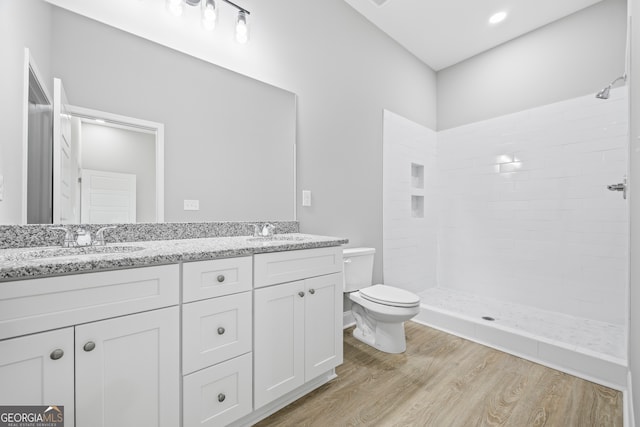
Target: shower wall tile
x=523, y=211
x=410, y=242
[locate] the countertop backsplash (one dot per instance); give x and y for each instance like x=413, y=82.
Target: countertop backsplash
x=22, y=236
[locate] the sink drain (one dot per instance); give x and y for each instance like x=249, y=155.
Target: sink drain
x=489, y=318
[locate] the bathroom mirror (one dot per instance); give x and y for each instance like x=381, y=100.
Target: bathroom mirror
x=229, y=140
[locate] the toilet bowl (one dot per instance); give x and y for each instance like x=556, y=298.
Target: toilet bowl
x=379, y=310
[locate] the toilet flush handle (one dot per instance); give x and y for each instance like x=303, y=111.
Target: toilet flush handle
x=347, y=261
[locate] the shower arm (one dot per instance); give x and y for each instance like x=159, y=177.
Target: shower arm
x=622, y=77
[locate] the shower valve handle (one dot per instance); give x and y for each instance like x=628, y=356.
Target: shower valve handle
x=619, y=187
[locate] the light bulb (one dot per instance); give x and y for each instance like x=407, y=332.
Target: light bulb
x=242, y=31
x=209, y=14
x=175, y=7
x=497, y=17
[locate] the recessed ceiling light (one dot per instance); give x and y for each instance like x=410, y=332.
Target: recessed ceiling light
x=497, y=17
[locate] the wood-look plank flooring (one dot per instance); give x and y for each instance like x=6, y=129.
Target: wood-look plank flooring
x=446, y=381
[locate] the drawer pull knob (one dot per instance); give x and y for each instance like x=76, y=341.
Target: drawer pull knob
x=221, y=397
x=220, y=278
x=57, y=354
x=300, y=294
x=89, y=346
x=220, y=330
x=312, y=291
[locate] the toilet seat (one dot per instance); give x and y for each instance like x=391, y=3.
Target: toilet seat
x=388, y=295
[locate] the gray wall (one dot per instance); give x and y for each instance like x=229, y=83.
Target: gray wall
x=575, y=56
x=24, y=23
x=106, y=148
x=345, y=73
x=634, y=298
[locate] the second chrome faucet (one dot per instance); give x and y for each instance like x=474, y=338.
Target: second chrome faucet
x=265, y=231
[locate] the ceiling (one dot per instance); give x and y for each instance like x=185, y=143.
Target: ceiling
x=444, y=32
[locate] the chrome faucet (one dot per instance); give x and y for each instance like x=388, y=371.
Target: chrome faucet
x=82, y=236
x=99, y=240
x=69, y=237
x=265, y=231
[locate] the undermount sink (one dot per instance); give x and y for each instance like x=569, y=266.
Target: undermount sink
x=77, y=251
x=277, y=238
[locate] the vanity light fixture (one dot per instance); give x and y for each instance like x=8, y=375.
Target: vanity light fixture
x=209, y=15
x=242, y=31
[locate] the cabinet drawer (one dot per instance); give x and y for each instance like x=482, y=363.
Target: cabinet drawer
x=215, y=330
x=35, y=305
x=218, y=395
x=281, y=267
x=207, y=279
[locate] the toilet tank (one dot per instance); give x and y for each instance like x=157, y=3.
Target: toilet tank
x=358, y=268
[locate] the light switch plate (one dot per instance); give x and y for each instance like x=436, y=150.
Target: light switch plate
x=306, y=198
x=192, y=205
x=1, y=188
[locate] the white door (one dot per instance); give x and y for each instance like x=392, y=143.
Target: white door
x=323, y=324
x=38, y=370
x=65, y=160
x=128, y=372
x=107, y=197
x=278, y=341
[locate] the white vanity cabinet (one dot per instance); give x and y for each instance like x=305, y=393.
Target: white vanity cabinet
x=298, y=324
x=204, y=343
x=217, y=341
x=114, y=361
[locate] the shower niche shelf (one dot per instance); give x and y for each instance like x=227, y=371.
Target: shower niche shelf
x=417, y=206
x=417, y=175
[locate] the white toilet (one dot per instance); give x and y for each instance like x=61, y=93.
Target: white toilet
x=380, y=311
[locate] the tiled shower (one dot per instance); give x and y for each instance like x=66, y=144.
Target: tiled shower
x=517, y=225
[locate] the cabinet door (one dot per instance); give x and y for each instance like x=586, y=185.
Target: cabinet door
x=38, y=370
x=323, y=324
x=278, y=341
x=130, y=375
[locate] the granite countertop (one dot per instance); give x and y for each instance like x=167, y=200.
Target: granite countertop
x=36, y=262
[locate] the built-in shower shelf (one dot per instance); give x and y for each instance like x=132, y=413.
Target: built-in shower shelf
x=417, y=206
x=417, y=175
x=585, y=348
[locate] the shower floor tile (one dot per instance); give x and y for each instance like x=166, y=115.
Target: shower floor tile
x=584, y=335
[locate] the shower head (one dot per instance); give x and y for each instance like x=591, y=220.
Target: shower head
x=604, y=93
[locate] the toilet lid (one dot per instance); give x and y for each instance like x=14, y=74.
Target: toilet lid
x=389, y=295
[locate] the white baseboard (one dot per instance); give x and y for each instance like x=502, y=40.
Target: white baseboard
x=347, y=319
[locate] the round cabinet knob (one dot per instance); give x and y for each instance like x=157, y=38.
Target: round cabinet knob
x=312, y=291
x=220, y=278
x=221, y=397
x=300, y=294
x=220, y=330
x=57, y=354
x=89, y=346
